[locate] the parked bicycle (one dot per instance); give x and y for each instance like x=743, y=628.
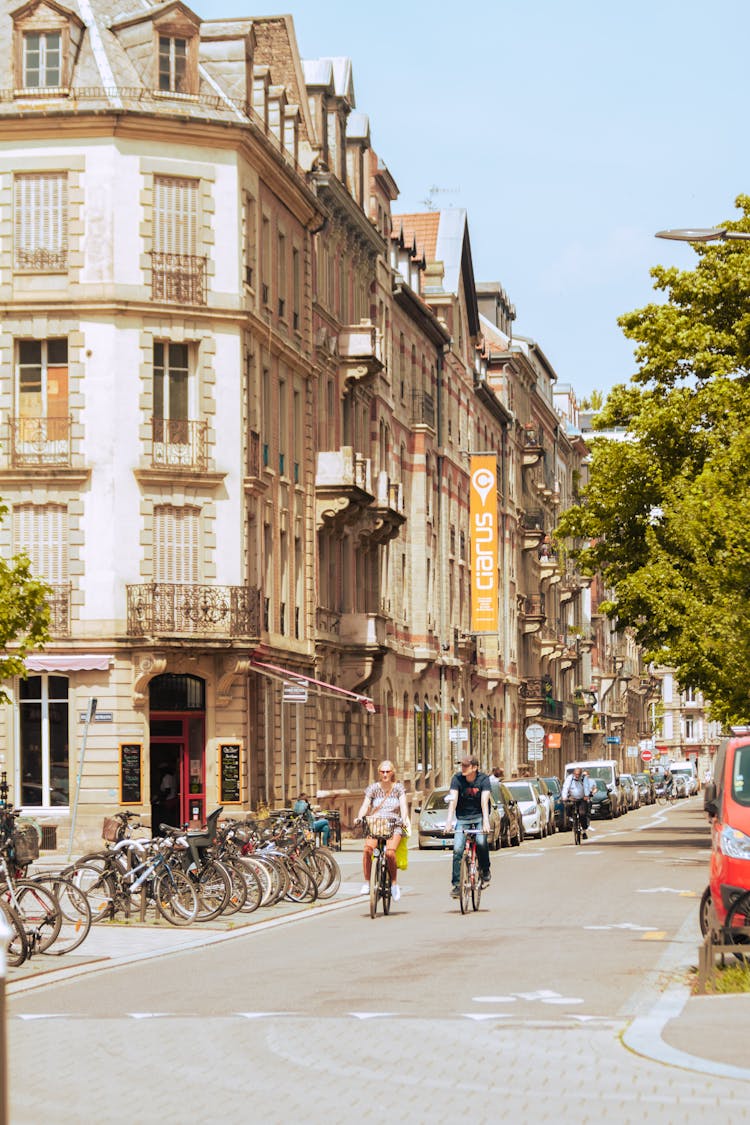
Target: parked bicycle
x=470, y=879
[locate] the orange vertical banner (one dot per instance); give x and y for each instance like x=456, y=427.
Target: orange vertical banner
x=484, y=543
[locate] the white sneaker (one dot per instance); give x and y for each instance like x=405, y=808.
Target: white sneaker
x=364, y=889
x=395, y=892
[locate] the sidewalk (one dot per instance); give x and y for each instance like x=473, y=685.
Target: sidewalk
x=702, y=1034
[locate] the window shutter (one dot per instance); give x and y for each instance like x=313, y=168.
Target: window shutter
x=42, y=532
x=175, y=215
x=41, y=220
x=176, y=544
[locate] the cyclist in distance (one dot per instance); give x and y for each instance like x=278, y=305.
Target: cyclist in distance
x=577, y=788
x=386, y=797
x=469, y=804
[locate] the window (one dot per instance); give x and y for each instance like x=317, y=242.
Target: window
x=40, y=429
x=296, y=289
x=176, y=544
x=171, y=374
x=281, y=274
x=42, y=60
x=41, y=221
x=173, y=65
x=418, y=735
x=178, y=272
x=43, y=741
x=250, y=234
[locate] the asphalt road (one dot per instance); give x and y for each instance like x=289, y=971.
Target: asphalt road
x=423, y=1012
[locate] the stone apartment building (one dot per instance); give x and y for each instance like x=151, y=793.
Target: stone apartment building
x=239, y=401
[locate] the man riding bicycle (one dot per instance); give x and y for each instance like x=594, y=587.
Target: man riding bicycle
x=577, y=788
x=469, y=803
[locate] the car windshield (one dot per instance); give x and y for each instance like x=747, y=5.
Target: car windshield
x=436, y=800
x=522, y=791
x=598, y=786
x=604, y=773
x=740, y=771
x=641, y=779
x=553, y=785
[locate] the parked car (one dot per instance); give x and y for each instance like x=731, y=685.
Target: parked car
x=548, y=800
x=533, y=811
x=511, y=821
x=726, y=800
x=562, y=822
x=680, y=785
x=645, y=788
x=630, y=789
x=431, y=823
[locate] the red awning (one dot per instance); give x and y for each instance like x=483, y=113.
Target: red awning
x=80, y=662
x=320, y=686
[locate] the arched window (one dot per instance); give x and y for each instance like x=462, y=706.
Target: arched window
x=418, y=735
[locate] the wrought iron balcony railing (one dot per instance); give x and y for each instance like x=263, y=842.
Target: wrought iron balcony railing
x=164, y=608
x=42, y=259
x=178, y=278
x=178, y=443
x=39, y=441
x=423, y=409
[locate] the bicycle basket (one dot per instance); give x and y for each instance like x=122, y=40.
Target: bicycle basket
x=25, y=843
x=380, y=825
x=111, y=829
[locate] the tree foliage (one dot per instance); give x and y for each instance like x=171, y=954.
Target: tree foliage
x=665, y=516
x=24, y=614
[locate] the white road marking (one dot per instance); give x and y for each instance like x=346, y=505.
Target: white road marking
x=486, y=1016
x=264, y=1015
x=43, y=1016
x=494, y=999
x=372, y=1015
x=146, y=1015
x=562, y=1000
x=621, y=926
x=660, y=890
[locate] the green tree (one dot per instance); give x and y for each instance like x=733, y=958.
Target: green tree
x=24, y=614
x=666, y=515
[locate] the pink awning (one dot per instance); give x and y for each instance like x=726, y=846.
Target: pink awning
x=80, y=662
x=278, y=673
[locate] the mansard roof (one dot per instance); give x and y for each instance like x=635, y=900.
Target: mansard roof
x=444, y=236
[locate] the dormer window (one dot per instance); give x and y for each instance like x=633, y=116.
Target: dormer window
x=42, y=60
x=173, y=65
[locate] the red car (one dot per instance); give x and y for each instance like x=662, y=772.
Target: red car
x=727, y=802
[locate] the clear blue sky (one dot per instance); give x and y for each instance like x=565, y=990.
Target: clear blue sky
x=570, y=132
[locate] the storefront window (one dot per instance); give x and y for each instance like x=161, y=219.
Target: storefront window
x=43, y=766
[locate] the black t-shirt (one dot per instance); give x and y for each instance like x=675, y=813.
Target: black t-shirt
x=470, y=793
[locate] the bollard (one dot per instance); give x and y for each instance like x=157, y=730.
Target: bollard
x=6, y=934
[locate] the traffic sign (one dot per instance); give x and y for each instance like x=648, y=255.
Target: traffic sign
x=295, y=692
x=535, y=732
x=646, y=755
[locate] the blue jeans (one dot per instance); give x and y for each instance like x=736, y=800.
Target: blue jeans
x=483, y=852
x=321, y=825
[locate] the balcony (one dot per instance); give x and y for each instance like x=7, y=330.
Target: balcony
x=179, y=444
x=423, y=409
x=539, y=702
x=328, y=623
x=533, y=448
x=178, y=610
x=39, y=442
x=389, y=504
x=532, y=529
x=531, y=610
x=343, y=485
x=59, y=609
x=365, y=630
x=360, y=351
x=178, y=279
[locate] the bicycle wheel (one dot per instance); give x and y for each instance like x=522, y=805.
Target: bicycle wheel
x=330, y=873
x=213, y=887
x=464, y=884
x=99, y=888
x=238, y=897
x=577, y=835
x=375, y=877
x=253, y=891
x=17, y=949
x=476, y=883
x=176, y=897
x=385, y=887
x=738, y=918
x=76, y=913
x=39, y=911
x=302, y=886
x=263, y=874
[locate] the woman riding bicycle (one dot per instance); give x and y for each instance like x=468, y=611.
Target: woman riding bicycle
x=386, y=797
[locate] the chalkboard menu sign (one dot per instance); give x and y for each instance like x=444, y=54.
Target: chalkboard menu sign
x=131, y=773
x=229, y=773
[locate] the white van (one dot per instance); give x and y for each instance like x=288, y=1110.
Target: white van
x=686, y=769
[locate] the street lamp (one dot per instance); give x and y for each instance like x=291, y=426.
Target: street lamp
x=704, y=234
